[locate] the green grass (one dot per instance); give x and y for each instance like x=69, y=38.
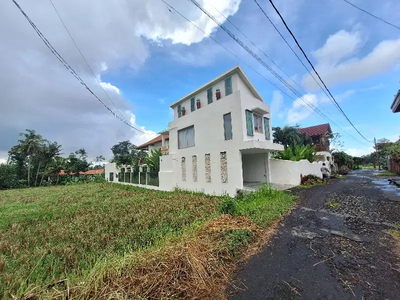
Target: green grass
x=52, y=233
x=386, y=173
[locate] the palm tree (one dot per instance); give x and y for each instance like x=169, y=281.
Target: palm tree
x=52, y=151
x=31, y=146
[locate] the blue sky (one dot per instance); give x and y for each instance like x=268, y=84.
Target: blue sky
x=147, y=57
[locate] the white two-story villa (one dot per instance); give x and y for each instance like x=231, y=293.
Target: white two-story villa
x=220, y=138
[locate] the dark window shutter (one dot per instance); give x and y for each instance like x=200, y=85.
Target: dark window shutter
x=228, y=86
x=179, y=111
x=249, y=122
x=192, y=104
x=209, y=96
x=266, y=126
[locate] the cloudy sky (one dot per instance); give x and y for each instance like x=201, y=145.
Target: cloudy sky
x=146, y=56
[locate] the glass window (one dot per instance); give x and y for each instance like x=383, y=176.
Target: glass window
x=228, y=126
x=249, y=122
x=192, y=104
x=257, y=123
x=228, y=86
x=266, y=125
x=179, y=111
x=186, y=137
x=209, y=96
x=111, y=177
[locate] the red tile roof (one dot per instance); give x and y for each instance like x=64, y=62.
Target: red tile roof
x=155, y=140
x=89, y=172
x=316, y=130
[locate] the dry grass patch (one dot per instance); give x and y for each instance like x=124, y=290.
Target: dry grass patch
x=119, y=242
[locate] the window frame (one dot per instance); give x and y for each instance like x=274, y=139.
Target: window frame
x=225, y=132
x=210, y=95
x=194, y=137
x=257, y=117
x=229, y=79
x=192, y=104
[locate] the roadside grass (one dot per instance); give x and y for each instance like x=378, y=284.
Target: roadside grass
x=383, y=174
x=114, y=241
x=337, y=176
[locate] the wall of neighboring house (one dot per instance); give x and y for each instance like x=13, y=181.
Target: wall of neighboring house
x=157, y=146
x=111, y=168
x=289, y=172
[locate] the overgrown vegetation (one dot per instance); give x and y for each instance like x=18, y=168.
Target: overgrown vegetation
x=311, y=180
x=297, y=153
x=383, y=174
x=105, y=240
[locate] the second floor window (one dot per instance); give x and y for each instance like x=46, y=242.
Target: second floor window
x=228, y=86
x=228, y=126
x=186, y=137
x=192, y=104
x=209, y=96
x=258, y=123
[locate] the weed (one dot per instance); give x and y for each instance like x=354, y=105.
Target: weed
x=332, y=204
x=384, y=174
x=236, y=238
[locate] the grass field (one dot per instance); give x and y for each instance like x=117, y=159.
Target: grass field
x=86, y=234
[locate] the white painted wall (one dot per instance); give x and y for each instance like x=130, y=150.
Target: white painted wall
x=289, y=172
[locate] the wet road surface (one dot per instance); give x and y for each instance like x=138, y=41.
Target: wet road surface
x=334, y=245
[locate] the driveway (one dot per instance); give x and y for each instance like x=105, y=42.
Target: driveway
x=334, y=245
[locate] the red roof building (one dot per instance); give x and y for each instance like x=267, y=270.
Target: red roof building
x=319, y=134
x=152, y=142
x=89, y=172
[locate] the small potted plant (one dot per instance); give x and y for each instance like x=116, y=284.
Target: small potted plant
x=183, y=111
x=218, y=94
x=198, y=103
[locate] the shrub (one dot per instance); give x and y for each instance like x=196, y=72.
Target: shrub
x=297, y=153
x=8, y=177
x=344, y=170
x=228, y=206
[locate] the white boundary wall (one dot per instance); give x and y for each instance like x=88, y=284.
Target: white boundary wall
x=290, y=172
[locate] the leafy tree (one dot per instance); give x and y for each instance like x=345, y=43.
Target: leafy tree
x=97, y=162
x=290, y=136
x=77, y=162
x=125, y=153
x=343, y=159
x=8, y=176
x=153, y=160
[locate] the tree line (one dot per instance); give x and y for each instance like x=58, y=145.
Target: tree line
x=36, y=161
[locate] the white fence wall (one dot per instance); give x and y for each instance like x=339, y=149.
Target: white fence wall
x=290, y=172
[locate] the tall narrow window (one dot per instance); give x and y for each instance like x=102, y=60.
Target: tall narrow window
x=258, y=123
x=209, y=95
x=179, y=111
x=249, y=122
x=228, y=126
x=111, y=177
x=228, y=86
x=267, y=132
x=186, y=137
x=192, y=104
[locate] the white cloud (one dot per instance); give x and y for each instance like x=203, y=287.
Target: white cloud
x=299, y=110
x=37, y=92
x=343, y=44
x=359, y=151
x=276, y=103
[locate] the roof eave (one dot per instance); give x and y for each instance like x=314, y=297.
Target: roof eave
x=231, y=71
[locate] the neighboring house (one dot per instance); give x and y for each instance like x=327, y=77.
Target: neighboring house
x=161, y=141
x=89, y=172
x=220, y=138
x=319, y=135
x=395, y=107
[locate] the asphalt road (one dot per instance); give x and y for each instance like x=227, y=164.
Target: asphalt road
x=334, y=245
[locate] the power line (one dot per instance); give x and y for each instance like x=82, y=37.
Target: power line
x=372, y=15
x=83, y=57
x=67, y=66
x=314, y=109
x=227, y=19
x=312, y=66
x=290, y=47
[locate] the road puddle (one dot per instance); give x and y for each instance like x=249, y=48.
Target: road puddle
x=391, y=190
